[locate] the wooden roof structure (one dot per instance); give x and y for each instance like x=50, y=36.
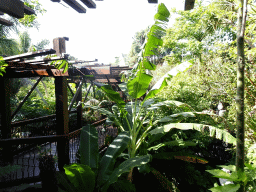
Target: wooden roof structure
x=14, y=8
x=89, y=3
x=33, y=64
x=25, y=65
x=17, y=9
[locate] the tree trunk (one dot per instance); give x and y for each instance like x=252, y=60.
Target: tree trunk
x=240, y=91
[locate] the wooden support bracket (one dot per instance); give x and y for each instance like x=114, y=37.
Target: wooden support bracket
x=26, y=97
x=14, y=8
x=5, y=22
x=75, y=5
x=89, y=3
x=189, y=4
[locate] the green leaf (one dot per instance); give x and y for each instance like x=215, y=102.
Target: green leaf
x=64, y=181
x=220, y=174
x=148, y=65
x=221, y=134
x=3, y=65
x=107, y=162
x=164, y=12
x=59, y=64
x=226, y=188
x=126, y=167
x=153, y=92
x=89, y=146
x=81, y=176
x=167, y=103
x=8, y=169
x=173, y=143
x=113, y=95
x=139, y=85
x=228, y=167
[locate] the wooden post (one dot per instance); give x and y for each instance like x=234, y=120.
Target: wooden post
x=59, y=45
x=79, y=109
x=5, y=108
x=62, y=119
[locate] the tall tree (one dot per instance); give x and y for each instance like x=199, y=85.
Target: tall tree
x=242, y=11
x=24, y=42
x=138, y=41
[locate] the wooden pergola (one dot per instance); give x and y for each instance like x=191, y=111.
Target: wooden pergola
x=37, y=64
x=17, y=9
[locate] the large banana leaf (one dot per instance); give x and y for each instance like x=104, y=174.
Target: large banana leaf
x=107, y=162
x=89, y=146
x=81, y=176
x=213, y=131
x=63, y=181
x=139, y=85
x=113, y=95
x=153, y=92
x=126, y=166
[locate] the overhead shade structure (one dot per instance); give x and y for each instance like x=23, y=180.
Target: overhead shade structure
x=75, y=5
x=14, y=8
x=89, y=3
x=153, y=1
x=189, y=4
x=5, y=22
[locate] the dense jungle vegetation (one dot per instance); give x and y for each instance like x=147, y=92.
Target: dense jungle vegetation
x=179, y=133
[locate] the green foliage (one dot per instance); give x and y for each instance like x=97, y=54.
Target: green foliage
x=60, y=64
x=247, y=177
x=2, y=66
x=106, y=170
x=30, y=20
x=8, y=169
x=81, y=176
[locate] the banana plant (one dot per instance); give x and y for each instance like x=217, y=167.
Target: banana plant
x=137, y=118
x=94, y=173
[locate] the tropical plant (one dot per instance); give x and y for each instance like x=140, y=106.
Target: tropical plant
x=3, y=64
x=235, y=179
x=95, y=172
x=137, y=118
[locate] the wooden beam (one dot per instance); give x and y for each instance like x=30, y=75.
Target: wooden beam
x=27, y=66
x=38, y=119
x=5, y=22
x=26, y=97
x=62, y=119
x=89, y=3
x=5, y=109
x=75, y=5
x=30, y=54
x=44, y=60
x=189, y=4
x=28, y=10
x=14, y=8
x=11, y=73
x=153, y=1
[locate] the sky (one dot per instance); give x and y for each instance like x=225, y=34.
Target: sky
x=102, y=33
